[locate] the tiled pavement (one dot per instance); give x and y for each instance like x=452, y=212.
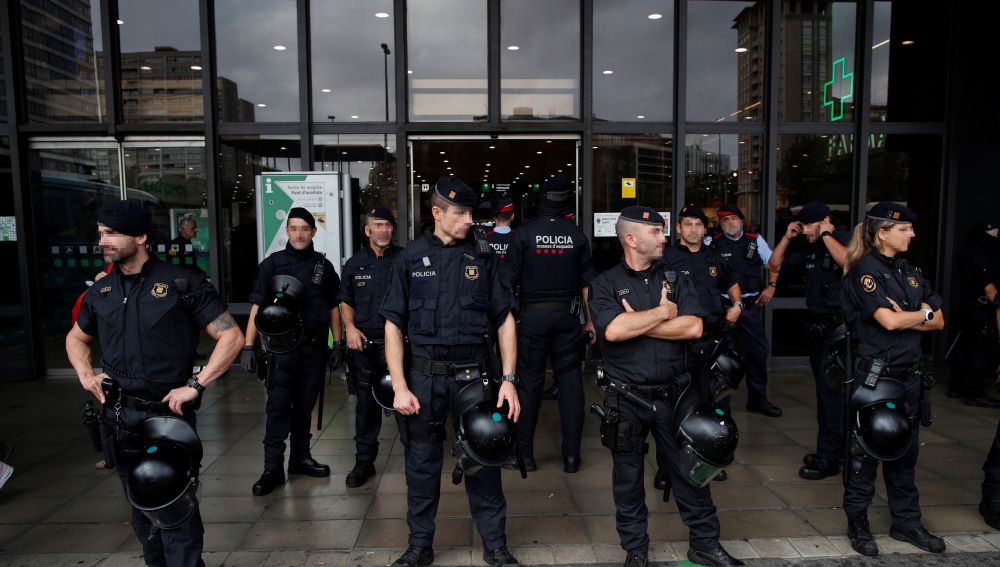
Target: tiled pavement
x=59, y=510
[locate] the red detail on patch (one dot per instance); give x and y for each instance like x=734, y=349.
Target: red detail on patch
x=562, y=251
x=507, y=208
x=537, y=251
x=645, y=214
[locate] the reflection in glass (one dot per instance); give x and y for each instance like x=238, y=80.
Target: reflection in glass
x=171, y=180
x=370, y=161
x=907, y=169
x=240, y=159
x=817, y=82
x=161, y=61
x=648, y=158
x=722, y=169
x=626, y=87
x=909, y=58
x=3, y=85
x=63, y=58
x=725, y=61
x=540, y=59
x=447, y=71
x=69, y=186
x=353, y=77
x=257, y=59
x=13, y=363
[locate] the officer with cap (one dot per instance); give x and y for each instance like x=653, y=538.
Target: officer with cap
x=500, y=236
x=822, y=256
x=445, y=293
x=644, y=311
x=549, y=262
x=147, y=316
x=889, y=306
x=366, y=279
x=975, y=356
x=292, y=394
x=719, y=295
x=747, y=253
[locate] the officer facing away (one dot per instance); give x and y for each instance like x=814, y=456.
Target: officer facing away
x=501, y=235
x=747, y=253
x=644, y=312
x=366, y=279
x=147, y=316
x=823, y=255
x=977, y=353
x=300, y=372
x=549, y=261
x=445, y=293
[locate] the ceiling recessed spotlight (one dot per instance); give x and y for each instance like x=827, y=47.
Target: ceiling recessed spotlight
x=381, y=15
x=409, y=71
x=907, y=42
x=121, y=22
x=512, y=48
x=641, y=116
x=280, y=48
x=655, y=16
x=539, y=152
x=489, y=164
x=493, y=147
x=442, y=153
x=261, y=105
x=741, y=50
x=446, y=161
x=595, y=147
x=284, y=148
x=343, y=153
x=569, y=164
x=196, y=67
x=354, y=116
x=527, y=166
x=558, y=171
x=608, y=72
x=324, y=90
x=146, y=68
x=548, y=141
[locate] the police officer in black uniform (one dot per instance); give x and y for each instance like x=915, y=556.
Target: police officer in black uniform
x=366, y=279
x=643, y=320
x=300, y=373
x=719, y=295
x=888, y=305
x=823, y=256
x=549, y=262
x=445, y=292
x=501, y=235
x=747, y=253
x=147, y=315
x=977, y=353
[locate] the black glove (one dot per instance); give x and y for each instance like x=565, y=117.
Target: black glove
x=248, y=359
x=337, y=355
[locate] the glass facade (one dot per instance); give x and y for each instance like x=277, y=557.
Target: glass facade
x=774, y=113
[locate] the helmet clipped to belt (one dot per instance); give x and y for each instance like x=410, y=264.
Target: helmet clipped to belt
x=279, y=320
x=484, y=436
x=163, y=478
x=881, y=428
x=833, y=366
x=725, y=371
x=707, y=435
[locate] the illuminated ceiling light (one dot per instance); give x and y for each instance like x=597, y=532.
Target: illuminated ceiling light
x=146, y=68
x=280, y=48
x=655, y=16
x=539, y=152
x=595, y=147
x=512, y=48
x=324, y=90
x=261, y=105
x=741, y=50
x=354, y=116
x=880, y=44
x=409, y=71
x=527, y=166
x=446, y=161
x=493, y=147
x=907, y=42
x=196, y=67
x=121, y=22
x=489, y=164
x=558, y=171
x=283, y=148
x=442, y=153
x=343, y=153
x=607, y=72
x=381, y=15
x=548, y=141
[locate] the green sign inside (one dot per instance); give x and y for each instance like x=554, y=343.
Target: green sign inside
x=486, y=187
x=535, y=187
x=839, y=80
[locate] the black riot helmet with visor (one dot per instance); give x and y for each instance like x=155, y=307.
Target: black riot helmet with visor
x=279, y=320
x=162, y=479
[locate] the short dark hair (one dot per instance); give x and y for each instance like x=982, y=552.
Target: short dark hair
x=439, y=202
x=505, y=216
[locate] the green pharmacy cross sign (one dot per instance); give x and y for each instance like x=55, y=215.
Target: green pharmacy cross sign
x=838, y=80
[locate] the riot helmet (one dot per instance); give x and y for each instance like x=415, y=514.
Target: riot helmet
x=485, y=437
x=162, y=480
x=707, y=436
x=725, y=371
x=382, y=391
x=833, y=365
x=279, y=320
x=881, y=428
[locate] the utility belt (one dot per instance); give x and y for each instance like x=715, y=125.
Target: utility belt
x=574, y=303
x=462, y=371
x=628, y=437
x=875, y=369
x=865, y=365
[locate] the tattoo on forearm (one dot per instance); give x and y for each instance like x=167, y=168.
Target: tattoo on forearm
x=223, y=322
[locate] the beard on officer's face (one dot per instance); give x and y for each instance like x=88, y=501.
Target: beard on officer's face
x=125, y=248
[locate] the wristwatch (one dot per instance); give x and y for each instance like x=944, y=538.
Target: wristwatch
x=194, y=383
x=928, y=316
x=512, y=378
x=772, y=284
x=825, y=233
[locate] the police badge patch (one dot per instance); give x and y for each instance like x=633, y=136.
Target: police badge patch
x=713, y=271
x=471, y=272
x=159, y=290
x=913, y=281
x=868, y=283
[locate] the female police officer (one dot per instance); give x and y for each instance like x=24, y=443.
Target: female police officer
x=888, y=304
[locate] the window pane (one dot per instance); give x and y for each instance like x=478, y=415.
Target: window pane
x=13, y=363
x=257, y=59
x=353, y=77
x=907, y=169
x=161, y=62
x=447, y=66
x=817, y=81
x=241, y=158
x=625, y=86
x=540, y=59
x=721, y=169
x=909, y=59
x=811, y=168
x=370, y=161
x=3, y=86
x=725, y=64
x=63, y=55
x=646, y=158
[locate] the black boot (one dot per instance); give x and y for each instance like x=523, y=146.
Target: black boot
x=416, y=557
x=267, y=483
x=717, y=557
x=861, y=536
x=499, y=556
x=821, y=469
x=360, y=474
x=636, y=559
x=989, y=507
x=309, y=467
x=919, y=537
